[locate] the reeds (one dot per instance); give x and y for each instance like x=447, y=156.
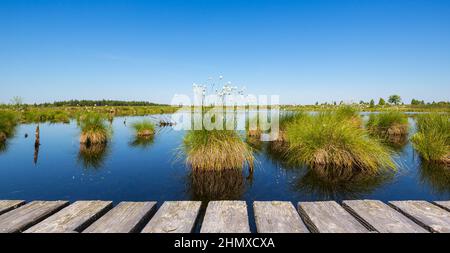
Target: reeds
x=144, y=128
x=388, y=124
x=327, y=141
x=8, y=123
x=94, y=129
x=432, y=139
x=216, y=150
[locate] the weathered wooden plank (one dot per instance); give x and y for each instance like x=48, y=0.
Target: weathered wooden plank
x=126, y=217
x=380, y=217
x=174, y=217
x=443, y=204
x=226, y=217
x=430, y=216
x=8, y=205
x=75, y=217
x=26, y=216
x=329, y=217
x=277, y=217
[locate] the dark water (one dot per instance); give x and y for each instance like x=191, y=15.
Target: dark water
x=125, y=170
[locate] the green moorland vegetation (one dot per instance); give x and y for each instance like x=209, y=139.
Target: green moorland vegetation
x=216, y=150
x=333, y=140
x=8, y=123
x=144, y=128
x=94, y=129
x=432, y=139
x=388, y=124
x=63, y=112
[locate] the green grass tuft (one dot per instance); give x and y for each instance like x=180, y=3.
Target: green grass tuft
x=94, y=129
x=144, y=128
x=326, y=140
x=432, y=139
x=388, y=124
x=8, y=123
x=216, y=150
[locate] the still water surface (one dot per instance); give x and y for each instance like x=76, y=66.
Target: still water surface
x=131, y=171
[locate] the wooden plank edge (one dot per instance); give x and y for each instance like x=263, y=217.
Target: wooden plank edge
x=307, y=220
x=21, y=203
x=360, y=219
x=411, y=217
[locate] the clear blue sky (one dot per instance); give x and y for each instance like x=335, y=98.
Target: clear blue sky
x=305, y=51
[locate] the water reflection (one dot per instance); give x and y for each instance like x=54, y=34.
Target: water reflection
x=437, y=176
x=93, y=156
x=217, y=185
x=332, y=184
x=142, y=142
x=3, y=146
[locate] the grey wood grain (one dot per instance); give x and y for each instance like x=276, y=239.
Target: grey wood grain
x=443, y=204
x=8, y=205
x=329, y=217
x=174, y=217
x=74, y=218
x=226, y=217
x=380, y=217
x=430, y=216
x=277, y=217
x=27, y=215
x=126, y=217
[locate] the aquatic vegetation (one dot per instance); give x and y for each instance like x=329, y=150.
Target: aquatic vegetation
x=217, y=185
x=388, y=124
x=326, y=141
x=94, y=129
x=216, y=150
x=92, y=156
x=144, y=128
x=432, y=139
x=8, y=123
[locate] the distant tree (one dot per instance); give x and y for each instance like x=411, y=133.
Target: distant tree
x=317, y=103
x=381, y=102
x=395, y=99
x=372, y=103
x=17, y=101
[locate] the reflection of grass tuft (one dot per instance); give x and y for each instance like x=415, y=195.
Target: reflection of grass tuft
x=92, y=156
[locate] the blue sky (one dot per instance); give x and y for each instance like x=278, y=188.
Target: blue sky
x=304, y=51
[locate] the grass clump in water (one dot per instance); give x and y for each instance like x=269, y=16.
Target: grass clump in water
x=326, y=141
x=8, y=123
x=144, y=129
x=432, y=139
x=216, y=150
x=94, y=129
x=388, y=124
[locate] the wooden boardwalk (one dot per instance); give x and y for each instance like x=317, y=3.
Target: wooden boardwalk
x=353, y=216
